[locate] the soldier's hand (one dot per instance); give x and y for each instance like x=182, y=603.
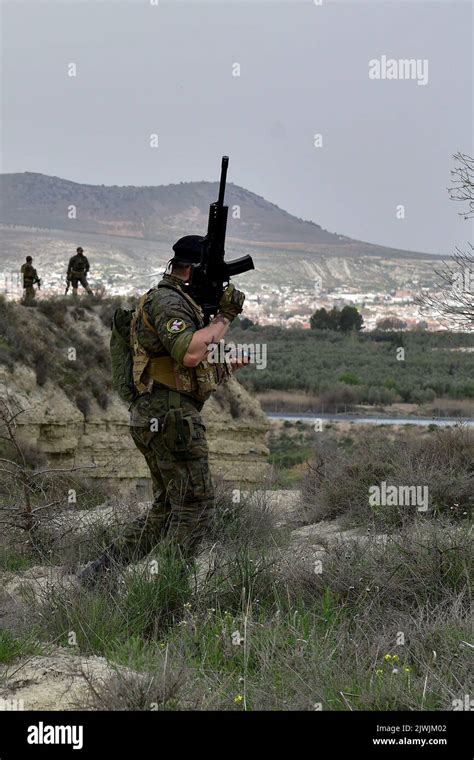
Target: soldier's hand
x=231, y=303
x=237, y=364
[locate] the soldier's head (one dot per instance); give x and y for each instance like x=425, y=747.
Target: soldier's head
x=79, y=251
x=187, y=253
x=29, y=260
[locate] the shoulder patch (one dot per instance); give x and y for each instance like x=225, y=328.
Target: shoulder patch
x=175, y=325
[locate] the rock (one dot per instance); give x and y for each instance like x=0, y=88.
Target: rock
x=79, y=523
x=331, y=531
x=99, y=446
x=313, y=542
x=236, y=427
x=56, y=681
x=284, y=504
x=34, y=583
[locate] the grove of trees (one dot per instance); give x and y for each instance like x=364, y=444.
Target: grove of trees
x=341, y=320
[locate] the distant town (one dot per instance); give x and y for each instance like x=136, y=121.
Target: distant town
x=283, y=305
x=287, y=307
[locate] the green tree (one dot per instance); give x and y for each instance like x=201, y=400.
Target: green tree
x=391, y=323
x=325, y=320
x=344, y=321
x=350, y=319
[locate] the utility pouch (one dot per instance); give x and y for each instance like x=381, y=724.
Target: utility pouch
x=177, y=430
x=208, y=378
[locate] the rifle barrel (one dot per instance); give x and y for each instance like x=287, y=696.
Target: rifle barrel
x=224, y=165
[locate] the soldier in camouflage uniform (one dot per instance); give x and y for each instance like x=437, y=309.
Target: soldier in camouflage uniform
x=77, y=270
x=30, y=279
x=170, y=345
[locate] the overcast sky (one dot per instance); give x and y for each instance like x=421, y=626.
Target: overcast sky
x=167, y=69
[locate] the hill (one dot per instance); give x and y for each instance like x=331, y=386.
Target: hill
x=128, y=233
x=147, y=212
x=157, y=213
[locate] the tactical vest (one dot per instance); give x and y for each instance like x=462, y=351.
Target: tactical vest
x=198, y=382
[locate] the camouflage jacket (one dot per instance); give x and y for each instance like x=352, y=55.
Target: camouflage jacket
x=78, y=265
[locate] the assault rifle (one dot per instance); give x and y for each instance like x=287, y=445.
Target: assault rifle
x=210, y=277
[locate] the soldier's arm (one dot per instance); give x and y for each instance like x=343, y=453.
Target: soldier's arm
x=69, y=267
x=201, y=340
x=230, y=306
x=174, y=322
x=87, y=265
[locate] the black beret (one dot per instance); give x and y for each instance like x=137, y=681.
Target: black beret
x=188, y=249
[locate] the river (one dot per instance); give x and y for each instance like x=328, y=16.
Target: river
x=372, y=420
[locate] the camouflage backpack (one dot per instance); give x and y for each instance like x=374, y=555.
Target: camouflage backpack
x=121, y=355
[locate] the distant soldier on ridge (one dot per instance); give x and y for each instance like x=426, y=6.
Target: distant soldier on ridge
x=30, y=279
x=77, y=270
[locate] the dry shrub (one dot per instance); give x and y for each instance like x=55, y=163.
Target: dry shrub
x=338, y=481
x=243, y=516
x=55, y=309
x=423, y=565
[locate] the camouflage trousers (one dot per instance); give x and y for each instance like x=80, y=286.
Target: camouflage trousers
x=76, y=279
x=183, y=492
x=30, y=294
